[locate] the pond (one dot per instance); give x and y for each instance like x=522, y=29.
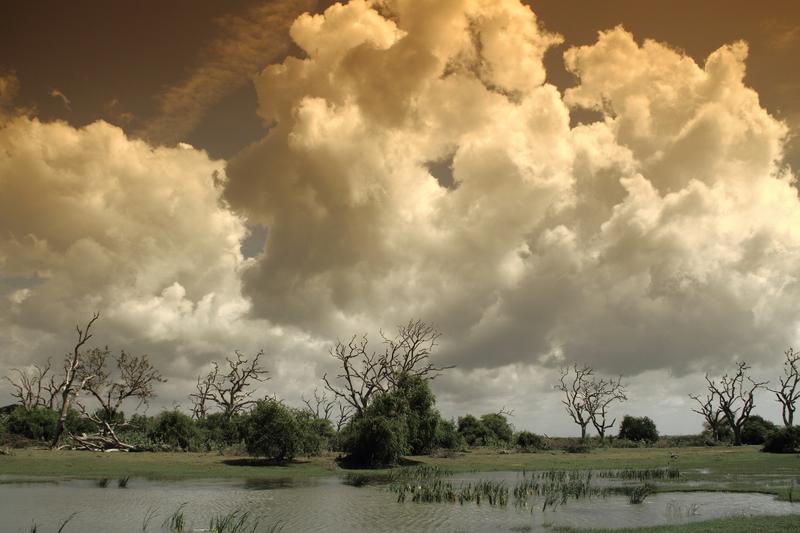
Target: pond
x=328, y=504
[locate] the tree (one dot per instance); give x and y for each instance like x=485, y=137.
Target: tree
x=638, y=429
x=472, y=430
x=116, y=379
x=599, y=395
x=574, y=383
x=714, y=417
x=784, y=440
x=756, y=430
x=271, y=430
x=498, y=427
x=322, y=407
x=174, y=429
x=34, y=387
x=789, y=391
x=229, y=391
x=365, y=373
x=735, y=398
x=67, y=388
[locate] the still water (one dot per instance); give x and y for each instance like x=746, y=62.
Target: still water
x=327, y=504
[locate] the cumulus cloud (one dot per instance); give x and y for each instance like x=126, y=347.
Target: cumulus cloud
x=663, y=236
x=660, y=240
x=93, y=220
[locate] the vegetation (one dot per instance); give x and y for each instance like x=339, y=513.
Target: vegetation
x=638, y=429
x=784, y=440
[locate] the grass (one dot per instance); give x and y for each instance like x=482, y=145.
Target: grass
x=743, y=524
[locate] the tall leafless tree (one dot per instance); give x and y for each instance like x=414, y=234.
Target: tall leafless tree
x=599, y=395
x=789, y=391
x=713, y=415
x=115, y=379
x=326, y=408
x=574, y=383
x=230, y=391
x=68, y=388
x=363, y=373
x=735, y=398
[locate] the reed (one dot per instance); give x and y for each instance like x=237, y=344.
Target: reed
x=176, y=522
x=102, y=483
x=152, y=512
x=122, y=482
x=233, y=522
x=66, y=521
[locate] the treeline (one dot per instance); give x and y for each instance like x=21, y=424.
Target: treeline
x=376, y=408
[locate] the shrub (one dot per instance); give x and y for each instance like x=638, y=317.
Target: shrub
x=756, y=430
x=39, y=423
x=528, y=441
x=447, y=436
x=472, y=430
x=638, y=429
x=174, y=429
x=490, y=430
x=315, y=433
x=499, y=428
x=271, y=430
x=374, y=440
x=218, y=431
x=783, y=440
x=577, y=446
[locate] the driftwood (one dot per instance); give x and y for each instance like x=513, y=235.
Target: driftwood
x=101, y=443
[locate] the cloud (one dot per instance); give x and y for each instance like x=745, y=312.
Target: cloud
x=93, y=220
x=9, y=88
x=657, y=242
x=247, y=43
x=661, y=237
x=55, y=93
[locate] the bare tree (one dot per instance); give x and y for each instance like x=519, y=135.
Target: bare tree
x=713, y=416
x=31, y=385
x=364, y=373
x=229, y=391
x=599, y=395
x=789, y=391
x=574, y=384
x=320, y=406
x=734, y=396
x=115, y=379
x=68, y=388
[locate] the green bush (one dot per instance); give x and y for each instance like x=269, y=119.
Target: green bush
x=218, y=431
x=783, y=440
x=375, y=440
x=39, y=423
x=490, y=430
x=316, y=434
x=271, y=430
x=638, y=429
x=447, y=436
x=174, y=429
x=528, y=441
x=756, y=430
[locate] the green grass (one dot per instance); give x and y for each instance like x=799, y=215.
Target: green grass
x=735, y=467
x=748, y=524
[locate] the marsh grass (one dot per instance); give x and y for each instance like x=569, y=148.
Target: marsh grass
x=122, y=482
x=65, y=522
x=176, y=522
x=102, y=483
x=426, y=484
x=151, y=513
x=233, y=522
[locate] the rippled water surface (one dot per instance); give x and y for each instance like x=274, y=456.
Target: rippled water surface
x=326, y=504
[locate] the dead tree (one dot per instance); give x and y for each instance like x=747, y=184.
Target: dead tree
x=789, y=391
x=735, y=395
x=320, y=406
x=230, y=391
x=599, y=395
x=364, y=373
x=116, y=379
x=574, y=384
x=68, y=388
x=711, y=413
x=31, y=386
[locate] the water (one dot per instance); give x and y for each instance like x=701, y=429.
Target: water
x=326, y=504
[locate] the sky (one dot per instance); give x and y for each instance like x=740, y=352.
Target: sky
x=607, y=183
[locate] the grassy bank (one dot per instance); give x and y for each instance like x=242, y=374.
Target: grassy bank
x=727, y=464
